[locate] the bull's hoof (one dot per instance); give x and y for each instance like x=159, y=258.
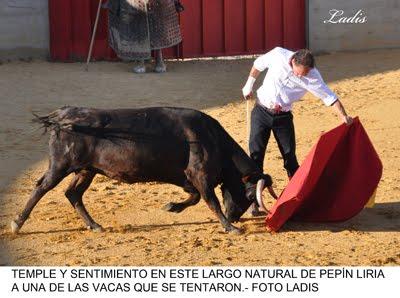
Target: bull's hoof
x=97, y=228
x=236, y=231
x=172, y=207
x=15, y=227
x=256, y=213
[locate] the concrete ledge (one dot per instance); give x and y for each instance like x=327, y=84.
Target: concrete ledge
x=23, y=53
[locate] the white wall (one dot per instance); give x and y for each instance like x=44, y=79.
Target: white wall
x=24, y=29
x=381, y=30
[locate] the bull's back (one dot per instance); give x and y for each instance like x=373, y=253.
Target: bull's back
x=131, y=145
x=152, y=144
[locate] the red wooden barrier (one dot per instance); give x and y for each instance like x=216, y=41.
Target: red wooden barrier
x=191, y=26
x=209, y=28
x=294, y=24
x=273, y=23
x=235, y=31
x=255, y=28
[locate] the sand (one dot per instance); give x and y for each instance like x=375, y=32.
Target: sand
x=138, y=231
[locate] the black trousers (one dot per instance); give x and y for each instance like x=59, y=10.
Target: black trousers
x=262, y=123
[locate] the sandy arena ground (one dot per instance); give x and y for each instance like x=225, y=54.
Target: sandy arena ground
x=138, y=231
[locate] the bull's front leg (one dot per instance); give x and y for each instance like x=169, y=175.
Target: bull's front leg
x=207, y=192
x=198, y=175
x=212, y=201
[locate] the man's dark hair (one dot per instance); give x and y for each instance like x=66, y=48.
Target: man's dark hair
x=304, y=57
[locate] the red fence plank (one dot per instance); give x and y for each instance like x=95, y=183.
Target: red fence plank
x=60, y=30
x=234, y=27
x=213, y=27
x=191, y=20
x=81, y=28
x=255, y=26
x=209, y=28
x=273, y=23
x=294, y=24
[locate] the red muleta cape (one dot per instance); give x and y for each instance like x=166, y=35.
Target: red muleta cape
x=335, y=181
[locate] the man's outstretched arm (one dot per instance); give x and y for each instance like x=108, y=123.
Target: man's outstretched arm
x=342, y=112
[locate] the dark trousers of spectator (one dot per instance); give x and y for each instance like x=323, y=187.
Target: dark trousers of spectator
x=263, y=121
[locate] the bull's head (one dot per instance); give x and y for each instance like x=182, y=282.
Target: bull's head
x=239, y=194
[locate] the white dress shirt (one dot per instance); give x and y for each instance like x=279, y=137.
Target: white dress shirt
x=282, y=87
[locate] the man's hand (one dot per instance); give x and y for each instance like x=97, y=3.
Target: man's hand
x=248, y=96
x=247, y=90
x=341, y=111
x=348, y=120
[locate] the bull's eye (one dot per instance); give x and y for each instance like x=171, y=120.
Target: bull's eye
x=251, y=193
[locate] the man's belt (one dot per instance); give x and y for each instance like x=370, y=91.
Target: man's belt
x=274, y=109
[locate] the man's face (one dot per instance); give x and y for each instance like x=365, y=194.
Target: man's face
x=299, y=70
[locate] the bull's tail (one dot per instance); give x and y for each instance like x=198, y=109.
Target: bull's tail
x=66, y=118
x=51, y=121
x=81, y=121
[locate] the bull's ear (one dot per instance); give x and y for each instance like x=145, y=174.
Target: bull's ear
x=246, y=179
x=253, y=178
x=268, y=180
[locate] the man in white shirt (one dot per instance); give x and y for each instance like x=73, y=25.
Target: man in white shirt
x=290, y=75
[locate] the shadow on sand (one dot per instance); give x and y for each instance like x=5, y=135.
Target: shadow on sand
x=384, y=217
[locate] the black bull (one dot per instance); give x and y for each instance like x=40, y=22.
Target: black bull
x=179, y=146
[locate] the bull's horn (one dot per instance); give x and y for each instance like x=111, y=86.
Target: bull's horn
x=259, y=197
x=272, y=192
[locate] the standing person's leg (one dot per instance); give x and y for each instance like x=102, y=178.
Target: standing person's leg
x=160, y=65
x=283, y=129
x=139, y=67
x=260, y=132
